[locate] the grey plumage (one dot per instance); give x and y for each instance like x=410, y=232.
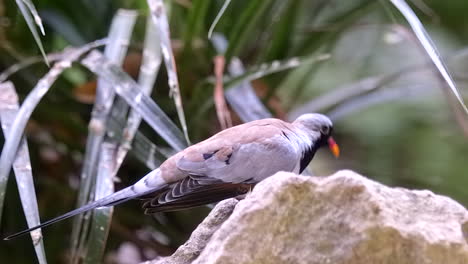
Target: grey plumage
x=225, y=165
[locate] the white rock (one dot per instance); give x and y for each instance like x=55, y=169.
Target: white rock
x=191, y=249
x=344, y=218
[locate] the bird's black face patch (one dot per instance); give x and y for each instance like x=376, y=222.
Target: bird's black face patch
x=308, y=155
x=306, y=158
x=323, y=140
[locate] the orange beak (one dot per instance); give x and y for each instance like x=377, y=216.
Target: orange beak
x=333, y=147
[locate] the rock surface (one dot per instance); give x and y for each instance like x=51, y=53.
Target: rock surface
x=191, y=249
x=344, y=218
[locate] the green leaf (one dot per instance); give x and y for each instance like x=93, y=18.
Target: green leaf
x=244, y=27
x=196, y=19
x=283, y=31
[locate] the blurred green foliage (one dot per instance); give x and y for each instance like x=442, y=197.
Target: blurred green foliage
x=411, y=140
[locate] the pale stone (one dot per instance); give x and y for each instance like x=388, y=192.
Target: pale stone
x=343, y=218
x=186, y=253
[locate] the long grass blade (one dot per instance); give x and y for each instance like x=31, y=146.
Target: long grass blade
x=100, y=224
x=119, y=38
x=31, y=16
x=22, y=168
x=158, y=13
x=26, y=63
x=142, y=148
x=37, y=18
x=113, y=157
x=129, y=90
x=218, y=17
x=51, y=57
x=429, y=47
x=273, y=67
x=350, y=91
x=148, y=72
x=43, y=85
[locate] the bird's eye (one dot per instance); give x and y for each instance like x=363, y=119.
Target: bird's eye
x=325, y=130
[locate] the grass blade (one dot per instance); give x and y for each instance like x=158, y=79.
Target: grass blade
x=51, y=57
x=26, y=63
x=273, y=67
x=100, y=224
x=129, y=90
x=196, y=18
x=142, y=148
x=429, y=47
x=254, y=10
x=218, y=17
x=349, y=92
x=27, y=9
x=148, y=72
x=284, y=26
x=37, y=18
x=158, y=13
x=119, y=38
x=43, y=85
x=22, y=168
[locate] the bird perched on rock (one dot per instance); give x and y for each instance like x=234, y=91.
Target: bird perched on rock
x=225, y=165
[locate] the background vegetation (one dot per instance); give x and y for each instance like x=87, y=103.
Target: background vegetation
x=394, y=119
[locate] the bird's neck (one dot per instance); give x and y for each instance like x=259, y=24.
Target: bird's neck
x=307, y=143
x=305, y=138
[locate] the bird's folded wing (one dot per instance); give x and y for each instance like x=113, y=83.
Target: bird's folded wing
x=192, y=192
x=201, y=162
x=239, y=157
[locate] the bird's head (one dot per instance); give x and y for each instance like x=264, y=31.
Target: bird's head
x=321, y=127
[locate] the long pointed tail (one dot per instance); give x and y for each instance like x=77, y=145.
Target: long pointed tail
x=140, y=188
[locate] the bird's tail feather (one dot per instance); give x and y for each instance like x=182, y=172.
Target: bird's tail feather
x=116, y=198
